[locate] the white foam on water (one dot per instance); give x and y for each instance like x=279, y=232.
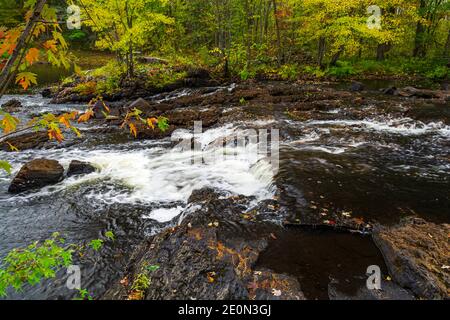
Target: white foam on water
x=163, y=214
x=403, y=126
x=156, y=175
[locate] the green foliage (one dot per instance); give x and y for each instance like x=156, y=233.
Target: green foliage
x=289, y=72
x=141, y=282
x=32, y=264
x=4, y=165
x=83, y=295
x=96, y=244
x=110, y=235
x=153, y=268
x=163, y=123
x=341, y=69
x=439, y=72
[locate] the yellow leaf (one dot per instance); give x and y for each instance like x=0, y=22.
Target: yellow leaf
x=25, y=79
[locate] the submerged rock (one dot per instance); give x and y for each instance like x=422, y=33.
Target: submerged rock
x=12, y=106
x=356, y=86
x=78, y=168
x=417, y=256
x=37, y=174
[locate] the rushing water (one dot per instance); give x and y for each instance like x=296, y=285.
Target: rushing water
x=375, y=167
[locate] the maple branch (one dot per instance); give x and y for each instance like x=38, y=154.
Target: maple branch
x=5, y=74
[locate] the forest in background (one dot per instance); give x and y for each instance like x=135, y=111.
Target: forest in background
x=245, y=38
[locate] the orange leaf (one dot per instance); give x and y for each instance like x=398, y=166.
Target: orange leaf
x=86, y=116
x=133, y=129
x=55, y=134
x=32, y=55
x=151, y=122
x=50, y=45
x=65, y=122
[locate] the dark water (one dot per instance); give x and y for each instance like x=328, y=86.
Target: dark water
x=320, y=256
x=335, y=167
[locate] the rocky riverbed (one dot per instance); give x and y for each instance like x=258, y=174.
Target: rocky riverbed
x=362, y=180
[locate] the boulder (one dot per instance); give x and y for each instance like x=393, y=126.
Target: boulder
x=356, y=86
x=79, y=167
x=140, y=104
x=25, y=141
x=417, y=256
x=390, y=91
x=47, y=93
x=37, y=174
x=12, y=106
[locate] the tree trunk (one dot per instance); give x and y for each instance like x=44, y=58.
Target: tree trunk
x=419, y=42
x=447, y=47
x=321, y=53
x=382, y=49
x=277, y=26
x=336, y=57
x=16, y=56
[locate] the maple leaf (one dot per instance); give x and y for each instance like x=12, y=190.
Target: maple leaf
x=9, y=123
x=12, y=147
x=86, y=116
x=25, y=79
x=32, y=55
x=50, y=45
x=133, y=129
x=63, y=120
x=4, y=165
x=151, y=122
x=56, y=134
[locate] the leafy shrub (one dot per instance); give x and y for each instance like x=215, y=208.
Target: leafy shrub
x=86, y=88
x=314, y=71
x=32, y=264
x=440, y=72
x=342, y=69
x=289, y=72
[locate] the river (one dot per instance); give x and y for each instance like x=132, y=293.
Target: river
x=335, y=164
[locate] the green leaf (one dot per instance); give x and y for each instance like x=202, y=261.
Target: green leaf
x=4, y=165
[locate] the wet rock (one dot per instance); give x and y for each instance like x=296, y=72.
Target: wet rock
x=356, y=86
x=390, y=91
x=37, y=174
x=140, y=104
x=144, y=132
x=187, y=117
x=78, y=168
x=47, y=93
x=423, y=93
x=12, y=106
x=417, y=256
x=25, y=141
x=210, y=255
x=390, y=291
